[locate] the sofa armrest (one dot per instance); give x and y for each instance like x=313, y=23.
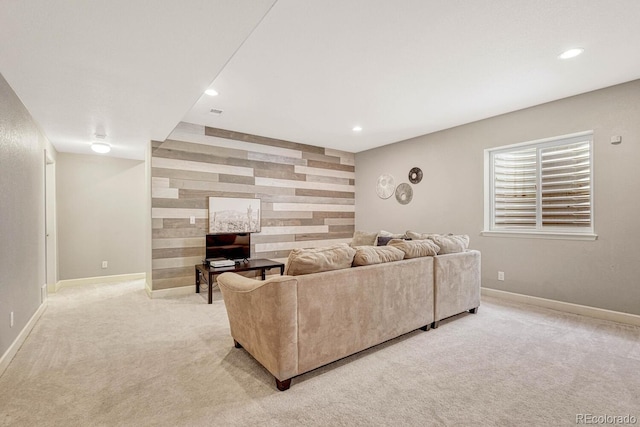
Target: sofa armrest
x=263, y=317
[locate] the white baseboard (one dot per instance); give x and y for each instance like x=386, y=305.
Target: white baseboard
x=7, y=357
x=147, y=287
x=584, y=310
x=171, y=292
x=98, y=280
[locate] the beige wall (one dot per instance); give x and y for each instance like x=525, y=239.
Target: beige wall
x=22, y=215
x=102, y=215
x=307, y=195
x=602, y=273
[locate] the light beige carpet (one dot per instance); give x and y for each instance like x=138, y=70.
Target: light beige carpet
x=109, y=356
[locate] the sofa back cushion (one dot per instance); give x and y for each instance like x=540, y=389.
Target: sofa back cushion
x=451, y=244
x=316, y=260
x=415, y=248
x=364, y=238
x=367, y=255
x=419, y=236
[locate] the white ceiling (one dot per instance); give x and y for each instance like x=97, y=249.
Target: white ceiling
x=305, y=71
x=129, y=69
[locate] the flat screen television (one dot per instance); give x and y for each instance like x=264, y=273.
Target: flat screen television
x=229, y=245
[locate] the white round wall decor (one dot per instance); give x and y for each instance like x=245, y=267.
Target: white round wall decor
x=404, y=193
x=386, y=186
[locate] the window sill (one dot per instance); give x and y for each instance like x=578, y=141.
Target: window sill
x=540, y=235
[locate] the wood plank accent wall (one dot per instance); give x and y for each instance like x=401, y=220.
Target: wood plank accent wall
x=307, y=193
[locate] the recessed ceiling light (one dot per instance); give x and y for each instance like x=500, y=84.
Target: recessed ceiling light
x=357, y=128
x=101, y=147
x=571, y=53
x=211, y=92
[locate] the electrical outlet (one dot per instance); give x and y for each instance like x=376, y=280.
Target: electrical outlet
x=104, y=264
x=192, y=220
x=501, y=275
x=12, y=319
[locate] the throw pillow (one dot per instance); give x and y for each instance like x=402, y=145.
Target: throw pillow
x=307, y=261
x=367, y=255
x=388, y=234
x=363, y=238
x=415, y=248
x=383, y=240
x=450, y=244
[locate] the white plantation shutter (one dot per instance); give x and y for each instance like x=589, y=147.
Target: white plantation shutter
x=515, y=188
x=543, y=186
x=566, y=185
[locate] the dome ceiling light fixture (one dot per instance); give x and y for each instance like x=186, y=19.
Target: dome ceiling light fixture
x=101, y=147
x=211, y=92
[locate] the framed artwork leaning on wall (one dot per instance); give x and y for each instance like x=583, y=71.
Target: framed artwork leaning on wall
x=234, y=215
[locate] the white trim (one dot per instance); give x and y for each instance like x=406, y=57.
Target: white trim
x=147, y=287
x=541, y=141
x=8, y=356
x=170, y=292
x=488, y=190
x=567, y=307
x=99, y=280
x=539, y=235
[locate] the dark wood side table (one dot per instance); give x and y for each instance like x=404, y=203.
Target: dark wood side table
x=208, y=273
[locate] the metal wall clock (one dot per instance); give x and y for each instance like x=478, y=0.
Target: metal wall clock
x=415, y=175
x=404, y=193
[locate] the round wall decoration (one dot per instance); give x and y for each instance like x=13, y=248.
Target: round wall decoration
x=404, y=193
x=415, y=175
x=386, y=186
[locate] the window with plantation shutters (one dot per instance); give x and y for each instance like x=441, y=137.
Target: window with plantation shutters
x=542, y=187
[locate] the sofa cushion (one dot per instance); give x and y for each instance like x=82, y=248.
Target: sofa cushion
x=450, y=244
x=415, y=248
x=367, y=255
x=364, y=238
x=307, y=261
x=419, y=236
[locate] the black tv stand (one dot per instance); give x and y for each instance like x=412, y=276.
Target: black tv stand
x=207, y=273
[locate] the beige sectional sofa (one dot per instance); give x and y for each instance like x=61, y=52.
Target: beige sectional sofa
x=294, y=324
x=456, y=284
